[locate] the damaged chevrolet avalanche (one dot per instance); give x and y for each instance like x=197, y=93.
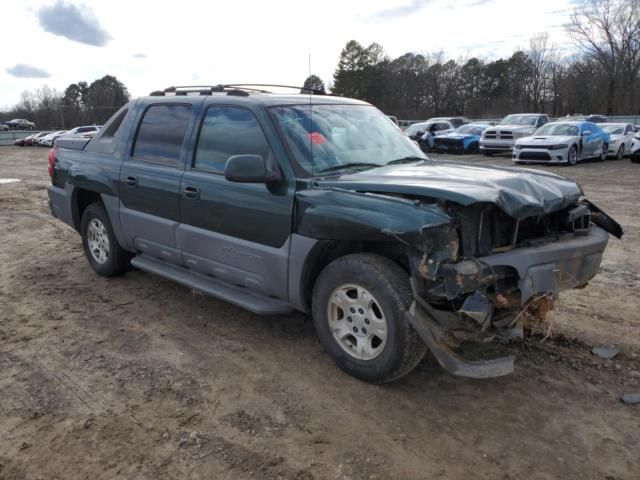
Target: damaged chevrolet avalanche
x=320, y=204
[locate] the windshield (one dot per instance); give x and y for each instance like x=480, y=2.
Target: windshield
x=415, y=128
x=559, y=129
x=473, y=129
x=519, y=120
x=329, y=136
x=614, y=129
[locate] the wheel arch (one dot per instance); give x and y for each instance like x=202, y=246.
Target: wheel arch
x=324, y=252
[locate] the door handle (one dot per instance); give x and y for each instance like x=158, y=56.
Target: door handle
x=131, y=181
x=191, y=192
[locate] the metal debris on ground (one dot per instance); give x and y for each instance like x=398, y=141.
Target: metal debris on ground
x=630, y=398
x=606, y=352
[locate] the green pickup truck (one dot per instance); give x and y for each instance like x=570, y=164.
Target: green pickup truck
x=321, y=204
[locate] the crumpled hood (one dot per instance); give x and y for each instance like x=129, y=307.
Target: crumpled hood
x=546, y=140
x=519, y=192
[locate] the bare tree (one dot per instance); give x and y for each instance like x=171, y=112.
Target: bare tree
x=540, y=56
x=608, y=32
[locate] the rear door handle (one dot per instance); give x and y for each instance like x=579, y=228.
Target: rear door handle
x=131, y=181
x=191, y=192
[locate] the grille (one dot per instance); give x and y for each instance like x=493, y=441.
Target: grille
x=498, y=135
x=534, y=156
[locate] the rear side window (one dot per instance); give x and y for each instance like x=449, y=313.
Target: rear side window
x=228, y=131
x=161, y=134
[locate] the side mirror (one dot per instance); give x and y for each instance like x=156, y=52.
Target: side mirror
x=251, y=169
x=586, y=133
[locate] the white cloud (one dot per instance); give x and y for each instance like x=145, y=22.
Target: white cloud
x=22, y=70
x=222, y=42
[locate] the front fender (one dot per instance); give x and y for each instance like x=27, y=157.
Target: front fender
x=334, y=214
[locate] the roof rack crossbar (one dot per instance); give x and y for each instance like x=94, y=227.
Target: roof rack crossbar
x=247, y=87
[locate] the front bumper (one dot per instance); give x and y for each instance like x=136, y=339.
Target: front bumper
x=552, y=267
x=496, y=145
x=541, y=272
x=540, y=155
x=448, y=146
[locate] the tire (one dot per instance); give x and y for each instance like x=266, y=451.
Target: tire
x=572, y=156
x=620, y=152
x=474, y=148
x=382, y=296
x=487, y=154
x=603, y=154
x=97, y=236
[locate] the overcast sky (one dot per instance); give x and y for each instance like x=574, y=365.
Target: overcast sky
x=149, y=46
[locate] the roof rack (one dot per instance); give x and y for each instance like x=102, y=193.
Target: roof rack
x=240, y=89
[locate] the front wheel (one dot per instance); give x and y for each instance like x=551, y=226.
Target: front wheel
x=359, y=302
x=101, y=247
x=572, y=156
x=620, y=153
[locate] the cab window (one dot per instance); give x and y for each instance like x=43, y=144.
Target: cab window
x=161, y=134
x=225, y=132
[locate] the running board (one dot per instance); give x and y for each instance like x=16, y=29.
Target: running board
x=427, y=329
x=239, y=296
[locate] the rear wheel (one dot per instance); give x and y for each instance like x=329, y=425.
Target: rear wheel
x=603, y=153
x=572, y=156
x=101, y=247
x=359, y=302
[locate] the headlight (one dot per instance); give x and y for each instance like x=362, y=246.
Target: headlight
x=520, y=134
x=558, y=147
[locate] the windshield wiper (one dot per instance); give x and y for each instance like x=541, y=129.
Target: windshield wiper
x=349, y=165
x=409, y=159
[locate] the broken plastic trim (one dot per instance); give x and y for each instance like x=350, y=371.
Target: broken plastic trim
x=432, y=335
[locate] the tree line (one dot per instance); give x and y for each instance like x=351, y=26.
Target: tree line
x=601, y=77
x=80, y=104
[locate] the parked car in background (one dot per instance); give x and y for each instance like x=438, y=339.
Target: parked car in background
x=425, y=132
x=3, y=127
x=621, y=135
x=33, y=139
x=48, y=140
x=79, y=132
x=502, y=137
x=26, y=141
x=464, y=139
x=635, y=149
x=593, y=118
x=455, y=121
x=563, y=142
x=20, y=124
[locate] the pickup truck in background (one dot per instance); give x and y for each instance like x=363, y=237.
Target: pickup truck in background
x=502, y=137
x=320, y=204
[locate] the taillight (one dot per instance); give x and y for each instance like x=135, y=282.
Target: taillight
x=52, y=159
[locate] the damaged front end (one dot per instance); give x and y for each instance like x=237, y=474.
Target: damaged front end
x=486, y=275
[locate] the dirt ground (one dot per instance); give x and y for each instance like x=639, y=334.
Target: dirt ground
x=139, y=378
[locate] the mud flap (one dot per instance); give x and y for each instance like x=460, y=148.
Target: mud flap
x=432, y=334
